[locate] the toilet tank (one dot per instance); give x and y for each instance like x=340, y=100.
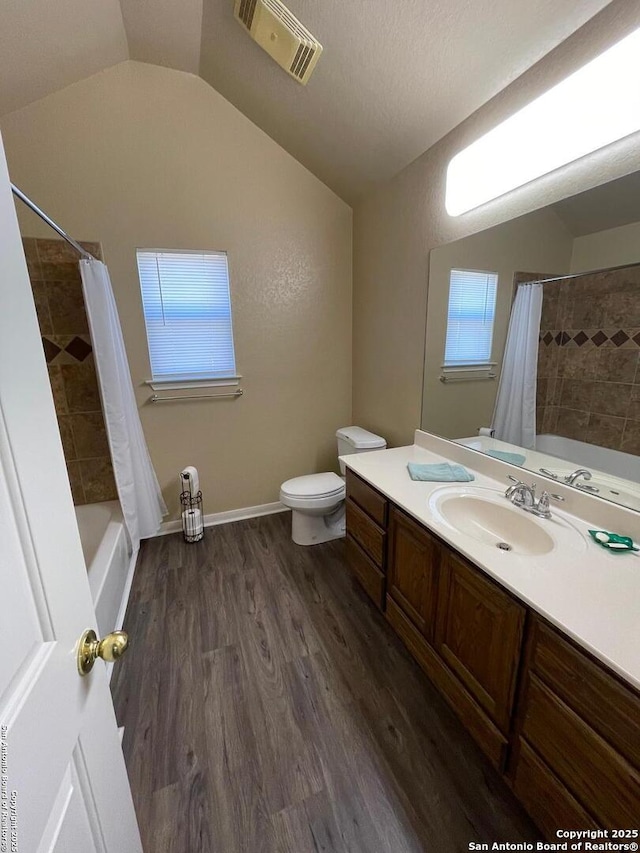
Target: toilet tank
x=354, y=439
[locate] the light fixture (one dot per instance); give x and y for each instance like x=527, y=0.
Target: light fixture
x=594, y=107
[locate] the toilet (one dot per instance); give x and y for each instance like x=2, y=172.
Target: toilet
x=317, y=500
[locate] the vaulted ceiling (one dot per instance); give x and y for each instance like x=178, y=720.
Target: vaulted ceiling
x=393, y=79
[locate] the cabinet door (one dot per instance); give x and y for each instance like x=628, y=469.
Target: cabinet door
x=414, y=558
x=479, y=635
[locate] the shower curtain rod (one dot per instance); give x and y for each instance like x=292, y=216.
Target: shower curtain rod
x=34, y=207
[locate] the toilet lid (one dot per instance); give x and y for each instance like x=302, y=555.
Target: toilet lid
x=313, y=486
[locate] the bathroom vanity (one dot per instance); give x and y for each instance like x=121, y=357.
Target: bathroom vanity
x=529, y=661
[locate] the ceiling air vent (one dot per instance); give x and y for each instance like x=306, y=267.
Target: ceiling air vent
x=277, y=31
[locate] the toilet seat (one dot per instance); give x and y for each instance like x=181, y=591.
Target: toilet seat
x=312, y=486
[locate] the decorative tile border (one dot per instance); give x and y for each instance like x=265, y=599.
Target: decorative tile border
x=77, y=348
x=619, y=338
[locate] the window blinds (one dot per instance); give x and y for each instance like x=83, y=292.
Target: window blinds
x=187, y=312
x=472, y=304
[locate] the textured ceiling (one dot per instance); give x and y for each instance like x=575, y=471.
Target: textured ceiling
x=164, y=32
x=47, y=44
x=393, y=79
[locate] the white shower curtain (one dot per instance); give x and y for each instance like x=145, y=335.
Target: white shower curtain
x=136, y=481
x=514, y=418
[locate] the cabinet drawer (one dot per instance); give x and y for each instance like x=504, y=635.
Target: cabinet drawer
x=371, y=578
x=367, y=498
x=545, y=797
x=596, y=774
x=608, y=706
x=479, y=726
x=366, y=533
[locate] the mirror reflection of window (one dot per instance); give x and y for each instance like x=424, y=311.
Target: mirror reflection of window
x=470, y=318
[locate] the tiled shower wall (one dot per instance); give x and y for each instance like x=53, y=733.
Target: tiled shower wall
x=57, y=291
x=588, y=359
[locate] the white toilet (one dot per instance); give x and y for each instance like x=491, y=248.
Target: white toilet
x=317, y=500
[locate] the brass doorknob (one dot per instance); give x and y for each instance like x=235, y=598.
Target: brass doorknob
x=110, y=648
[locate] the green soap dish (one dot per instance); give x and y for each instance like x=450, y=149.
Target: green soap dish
x=613, y=541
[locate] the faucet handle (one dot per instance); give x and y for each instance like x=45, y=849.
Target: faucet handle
x=546, y=497
x=548, y=473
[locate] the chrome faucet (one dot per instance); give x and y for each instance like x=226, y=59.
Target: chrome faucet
x=571, y=479
x=524, y=496
x=579, y=472
x=520, y=493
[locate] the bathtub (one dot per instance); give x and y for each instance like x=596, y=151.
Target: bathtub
x=613, y=462
x=108, y=559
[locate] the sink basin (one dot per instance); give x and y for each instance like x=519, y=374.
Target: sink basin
x=488, y=517
x=496, y=524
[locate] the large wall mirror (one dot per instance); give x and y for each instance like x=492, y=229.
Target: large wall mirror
x=585, y=252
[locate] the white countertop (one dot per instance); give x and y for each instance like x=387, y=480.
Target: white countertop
x=590, y=594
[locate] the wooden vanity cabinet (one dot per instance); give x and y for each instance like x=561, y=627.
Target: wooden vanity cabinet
x=563, y=728
x=462, y=628
x=366, y=520
x=578, y=732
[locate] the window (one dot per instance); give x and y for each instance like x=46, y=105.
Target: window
x=187, y=312
x=472, y=306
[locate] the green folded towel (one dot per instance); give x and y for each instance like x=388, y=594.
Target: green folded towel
x=505, y=456
x=443, y=472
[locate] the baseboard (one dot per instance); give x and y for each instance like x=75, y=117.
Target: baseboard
x=225, y=517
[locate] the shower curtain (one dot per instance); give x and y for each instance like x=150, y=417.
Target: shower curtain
x=514, y=418
x=136, y=481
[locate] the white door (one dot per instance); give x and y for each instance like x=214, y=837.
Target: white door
x=63, y=782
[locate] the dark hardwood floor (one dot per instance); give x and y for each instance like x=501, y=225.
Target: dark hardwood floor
x=268, y=707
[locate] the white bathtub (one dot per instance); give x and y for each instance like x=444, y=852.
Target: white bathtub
x=613, y=462
x=108, y=560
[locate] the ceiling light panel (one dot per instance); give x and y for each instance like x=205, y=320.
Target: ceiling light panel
x=597, y=105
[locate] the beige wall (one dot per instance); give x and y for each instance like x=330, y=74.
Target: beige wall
x=142, y=156
x=396, y=226
x=538, y=242
x=610, y=248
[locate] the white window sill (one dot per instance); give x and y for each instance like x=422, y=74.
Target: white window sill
x=183, y=384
